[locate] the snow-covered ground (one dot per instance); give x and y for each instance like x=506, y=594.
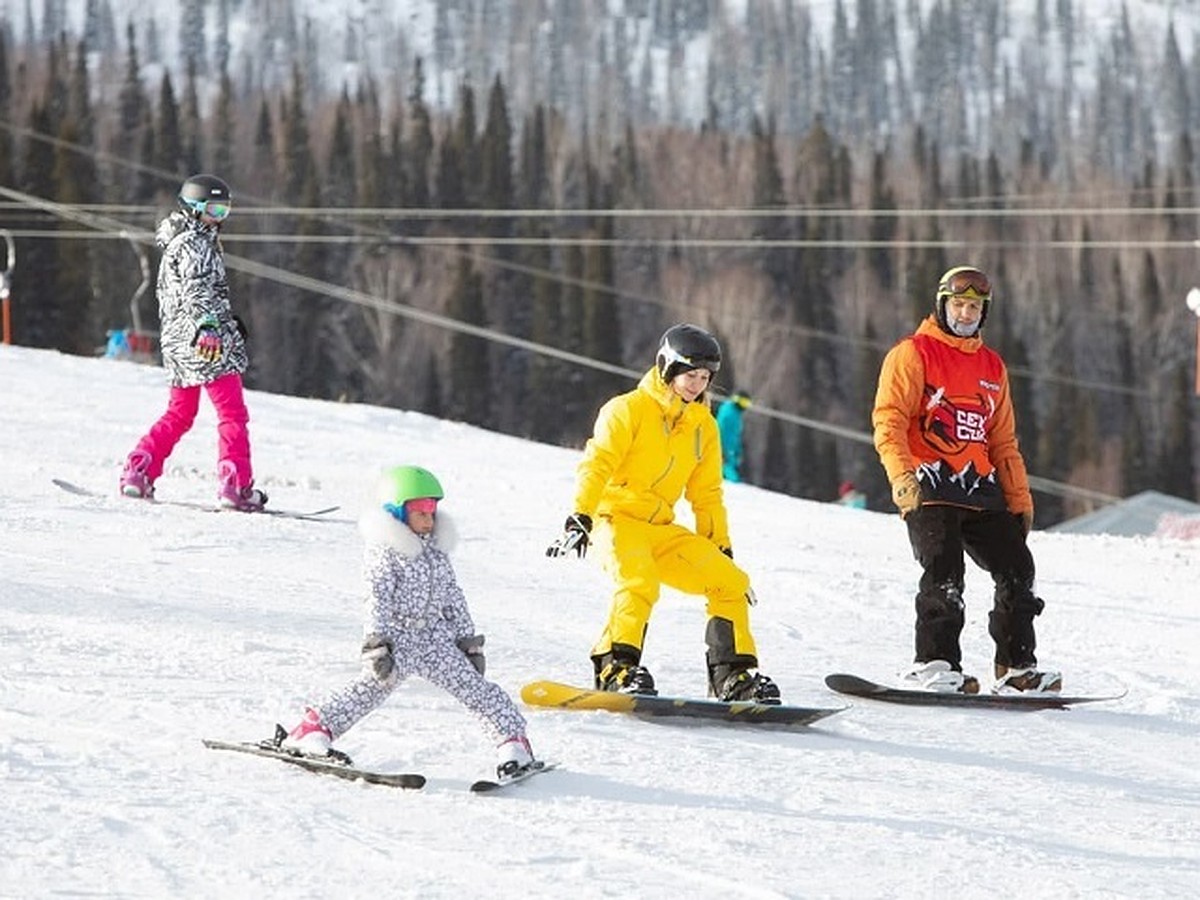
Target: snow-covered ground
x=129, y=631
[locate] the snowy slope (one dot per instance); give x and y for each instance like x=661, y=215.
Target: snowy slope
x=129, y=631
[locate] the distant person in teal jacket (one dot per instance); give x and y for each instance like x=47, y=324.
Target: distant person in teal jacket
x=850, y=495
x=729, y=424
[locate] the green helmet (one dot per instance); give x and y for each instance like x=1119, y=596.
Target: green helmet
x=406, y=483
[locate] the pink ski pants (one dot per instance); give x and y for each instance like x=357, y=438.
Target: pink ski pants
x=233, y=438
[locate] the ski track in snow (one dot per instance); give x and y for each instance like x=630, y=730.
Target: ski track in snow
x=130, y=631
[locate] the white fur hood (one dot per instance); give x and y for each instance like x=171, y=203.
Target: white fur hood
x=377, y=526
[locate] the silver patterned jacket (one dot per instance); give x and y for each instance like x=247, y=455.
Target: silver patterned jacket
x=193, y=291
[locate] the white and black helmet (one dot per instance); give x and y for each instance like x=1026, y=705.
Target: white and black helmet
x=685, y=347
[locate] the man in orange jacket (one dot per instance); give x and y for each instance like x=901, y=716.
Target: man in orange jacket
x=946, y=436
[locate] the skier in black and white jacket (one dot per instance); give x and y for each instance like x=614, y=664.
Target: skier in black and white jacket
x=417, y=623
x=203, y=348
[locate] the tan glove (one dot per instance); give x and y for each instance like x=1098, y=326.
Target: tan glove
x=1026, y=521
x=906, y=493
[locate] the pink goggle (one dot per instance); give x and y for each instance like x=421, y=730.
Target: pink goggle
x=422, y=505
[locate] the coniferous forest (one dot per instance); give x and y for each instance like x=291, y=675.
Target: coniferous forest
x=499, y=231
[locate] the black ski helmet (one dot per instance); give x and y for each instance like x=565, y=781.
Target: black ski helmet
x=685, y=347
x=964, y=281
x=199, y=190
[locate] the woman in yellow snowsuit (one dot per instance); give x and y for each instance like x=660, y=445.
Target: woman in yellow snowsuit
x=649, y=447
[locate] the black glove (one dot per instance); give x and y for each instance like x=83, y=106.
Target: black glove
x=728, y=551
x=377, y=656
x=574, y=537
x=472, y=646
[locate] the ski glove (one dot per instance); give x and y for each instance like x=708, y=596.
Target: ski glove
x=472, y=646
x=377, y=657
x=906, y=493
x=207, y=343
x=574, y=537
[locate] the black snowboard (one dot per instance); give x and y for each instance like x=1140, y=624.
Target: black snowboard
x=861, y=687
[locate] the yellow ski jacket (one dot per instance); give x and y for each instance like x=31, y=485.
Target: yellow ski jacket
x=648, y=448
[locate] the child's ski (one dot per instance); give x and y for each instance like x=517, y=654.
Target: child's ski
x=340, y=765
x=537, y=767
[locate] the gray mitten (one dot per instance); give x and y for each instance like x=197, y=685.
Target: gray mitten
x=472, y=645
x=377, y=656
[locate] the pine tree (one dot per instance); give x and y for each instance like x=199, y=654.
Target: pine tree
x=38, y=324
x=168, y=142
x=71, y=291
x=601, y=314
x=418, y=152
x=193, y=45
x=769, y=197
x=450, y=182
x=132, y=118
x=224, y=128
x=305, y=315
x=1177, y=463
x=340, y=166
x=469, y=379
x=7, y=149
x=495, y=159
x=191, y=127
x=221, y=48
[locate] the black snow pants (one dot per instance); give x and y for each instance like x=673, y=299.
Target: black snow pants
x=995, y=541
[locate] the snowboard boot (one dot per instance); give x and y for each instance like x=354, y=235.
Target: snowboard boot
x=134, y=480
x=233, y=496
x=625, y=678
x=1028, y=680
x=744, y=684
x=310, y=737
x=512, y=756
x=939, y=676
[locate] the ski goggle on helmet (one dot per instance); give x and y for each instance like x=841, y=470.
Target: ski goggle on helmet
x=963, y=281
x=408, y=488
x=206, y=195
x=686, y=347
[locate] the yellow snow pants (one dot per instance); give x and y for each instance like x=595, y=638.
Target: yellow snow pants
x=641, y=557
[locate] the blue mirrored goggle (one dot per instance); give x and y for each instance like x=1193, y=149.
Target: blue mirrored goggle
x=217, y=209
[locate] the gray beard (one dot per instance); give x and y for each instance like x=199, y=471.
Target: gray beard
x=964, y=331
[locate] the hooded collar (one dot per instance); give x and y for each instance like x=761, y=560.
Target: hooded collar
x=176, y=224
x=377, y=526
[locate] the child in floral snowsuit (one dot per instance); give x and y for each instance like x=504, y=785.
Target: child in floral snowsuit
x=417, y=623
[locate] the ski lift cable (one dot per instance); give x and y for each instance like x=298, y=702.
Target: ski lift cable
x=360, y=298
